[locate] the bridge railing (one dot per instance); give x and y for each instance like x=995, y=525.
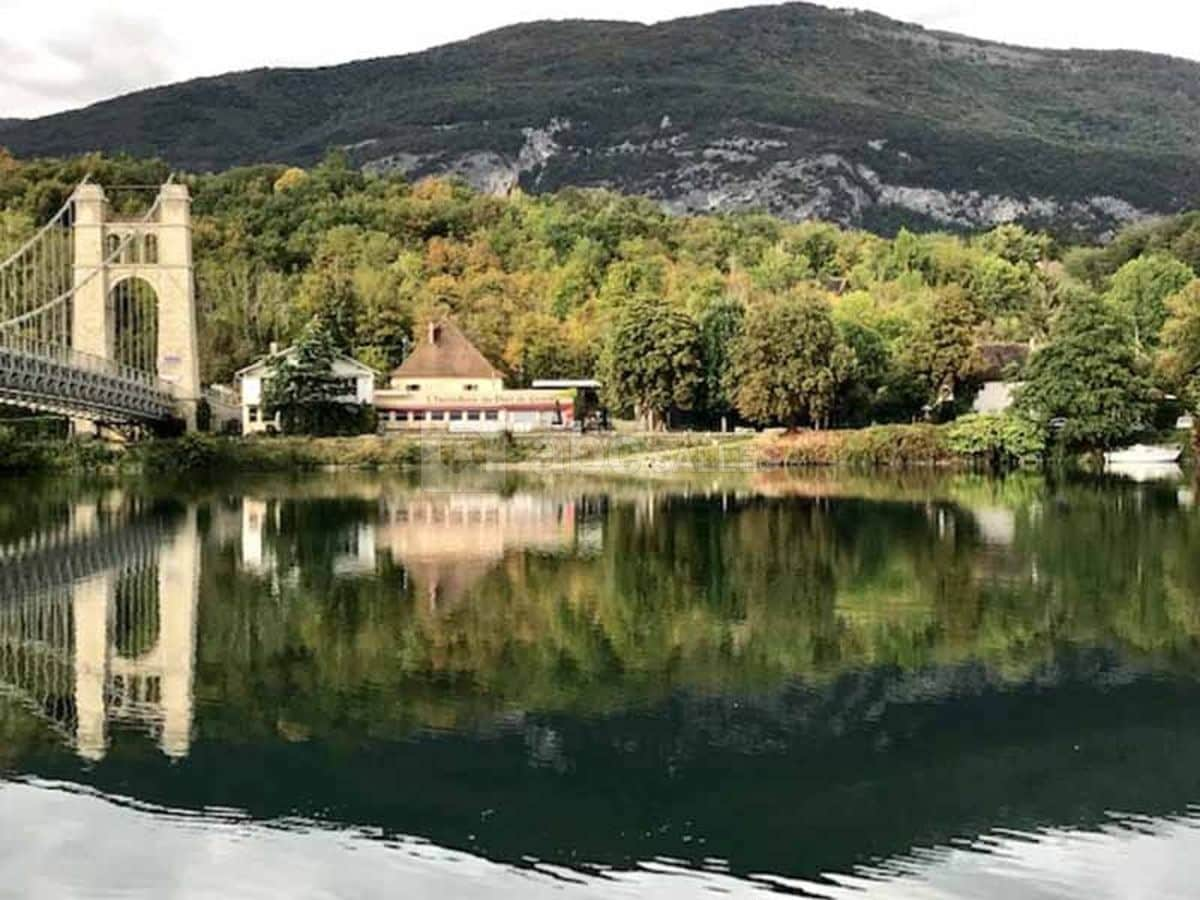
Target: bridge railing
x=84, y=362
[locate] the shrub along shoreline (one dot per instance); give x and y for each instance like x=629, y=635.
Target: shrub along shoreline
x=199, y=452
x=978, y=441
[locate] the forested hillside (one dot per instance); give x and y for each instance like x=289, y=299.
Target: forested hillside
x=797, y=110
x=741, y=315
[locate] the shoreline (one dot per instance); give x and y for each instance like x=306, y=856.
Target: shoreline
x=882, y=448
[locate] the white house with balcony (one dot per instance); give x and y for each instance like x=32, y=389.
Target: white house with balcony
x=357, y=383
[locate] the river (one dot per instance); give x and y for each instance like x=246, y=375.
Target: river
x=491, y=685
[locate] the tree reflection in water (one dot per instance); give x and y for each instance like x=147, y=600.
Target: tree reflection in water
x=797, y=676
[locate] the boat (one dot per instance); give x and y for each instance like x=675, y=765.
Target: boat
x=1144, y=454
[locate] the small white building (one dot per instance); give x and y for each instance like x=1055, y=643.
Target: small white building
x=999, y=364
x=995, y=397
x=358, y=382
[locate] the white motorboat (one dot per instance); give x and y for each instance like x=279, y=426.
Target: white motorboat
x=1143, y=454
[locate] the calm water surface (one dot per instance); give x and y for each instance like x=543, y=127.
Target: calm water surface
x=488, y=686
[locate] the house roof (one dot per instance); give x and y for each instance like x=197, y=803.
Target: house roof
x=262, y=363
x=446, y=353
x=998, y=359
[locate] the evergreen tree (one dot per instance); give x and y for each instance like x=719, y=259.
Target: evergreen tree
x=303, y=390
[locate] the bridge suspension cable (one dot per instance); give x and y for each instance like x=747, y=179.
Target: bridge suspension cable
x=39, y=367
x=38, y=282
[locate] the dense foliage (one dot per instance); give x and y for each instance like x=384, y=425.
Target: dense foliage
x=1085, y=383
x=742, y=316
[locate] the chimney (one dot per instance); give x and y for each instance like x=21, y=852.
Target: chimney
x=434, y=329
x=274, y=348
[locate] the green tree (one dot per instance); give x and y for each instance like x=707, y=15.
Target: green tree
x=651, y=360
x=941, y=348
x=1087, y=379
x=788, y=361
x=328, y=294
x=301, y=387
x=999, y=439
x=720, y=324
x=1140, y=290
x=1179, y=359
x=1014, y=244
x=999, y=286
x=863, y=395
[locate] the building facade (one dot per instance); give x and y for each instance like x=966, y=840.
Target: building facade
x=358, y=383
x=446, y=384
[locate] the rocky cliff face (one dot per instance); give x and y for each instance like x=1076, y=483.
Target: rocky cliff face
x=752, y=169
x=795, y=109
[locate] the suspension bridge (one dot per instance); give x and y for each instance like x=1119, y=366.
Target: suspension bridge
x=98, y=314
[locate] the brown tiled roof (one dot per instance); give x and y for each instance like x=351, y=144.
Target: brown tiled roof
x=446, y=353
x=998, y=359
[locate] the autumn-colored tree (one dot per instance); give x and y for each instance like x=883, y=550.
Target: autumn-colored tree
x=788, y=361
x=1179, y=360
x=941, y=348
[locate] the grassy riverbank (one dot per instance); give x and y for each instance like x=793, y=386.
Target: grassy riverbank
x=886, y=446
x=275, y=454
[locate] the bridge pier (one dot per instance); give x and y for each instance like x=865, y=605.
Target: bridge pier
x=151, y=685
x=92, y=612
x=178, y=591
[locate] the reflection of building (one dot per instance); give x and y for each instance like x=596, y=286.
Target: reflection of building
x=114, y=642
x=353, y=551
x=446, y=384
x=448, y=540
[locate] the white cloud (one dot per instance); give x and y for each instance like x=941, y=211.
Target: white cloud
x=60, y=55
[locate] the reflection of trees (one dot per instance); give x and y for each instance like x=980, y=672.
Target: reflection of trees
x=701, y=591
x=796, y=679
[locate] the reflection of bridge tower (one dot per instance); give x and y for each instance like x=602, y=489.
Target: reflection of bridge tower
x=135, y=288
x=102, y=630
x=135, y=646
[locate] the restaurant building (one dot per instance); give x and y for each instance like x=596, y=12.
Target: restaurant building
x=446, y=384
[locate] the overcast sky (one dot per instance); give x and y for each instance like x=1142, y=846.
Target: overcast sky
x=65, y=54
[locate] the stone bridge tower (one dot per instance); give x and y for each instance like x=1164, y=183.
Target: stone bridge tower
x=139, y=308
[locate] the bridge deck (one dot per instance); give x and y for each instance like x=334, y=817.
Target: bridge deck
x=74, y=384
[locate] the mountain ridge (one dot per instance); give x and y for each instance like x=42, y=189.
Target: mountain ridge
x=794, y=109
